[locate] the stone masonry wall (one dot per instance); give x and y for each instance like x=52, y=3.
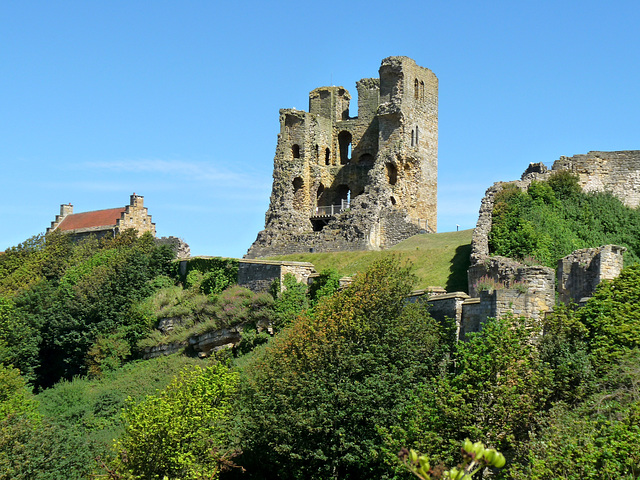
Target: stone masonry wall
x=580, y=273
x=538, y=280
x=615, y=172
x=258, y=275
x=379, y=168
x=136, y=216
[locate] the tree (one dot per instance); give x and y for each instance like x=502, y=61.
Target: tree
x=497, y=386
x=316, y=398
x=178, y=433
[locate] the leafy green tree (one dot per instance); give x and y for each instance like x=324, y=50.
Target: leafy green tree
x=31, y=447
x=497, y=387
x=612, y=318
x=552, y=219
x=599, y=438
x=91, y=294
x=317, y=396
x=326, y=284
x=290, y=302
x=178, y=433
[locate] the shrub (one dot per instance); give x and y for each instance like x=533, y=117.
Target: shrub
x=180, y=432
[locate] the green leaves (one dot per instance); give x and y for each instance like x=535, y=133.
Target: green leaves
x=475, y=457
x=553, y=219
x=318, y=397
x=178, y=433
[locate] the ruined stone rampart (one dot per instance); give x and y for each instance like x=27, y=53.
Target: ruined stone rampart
x=530, y=290
x=615, y=172
x=580, y=273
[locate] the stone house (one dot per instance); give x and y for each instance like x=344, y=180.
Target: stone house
x=108, y=222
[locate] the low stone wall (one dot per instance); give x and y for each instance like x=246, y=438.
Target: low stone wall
x=536, y=279
x=258, y=275
x=498, y=303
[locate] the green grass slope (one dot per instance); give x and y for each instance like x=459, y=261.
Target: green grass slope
x=439, y=259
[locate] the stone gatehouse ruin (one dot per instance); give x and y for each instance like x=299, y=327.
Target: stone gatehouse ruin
x=356, y=183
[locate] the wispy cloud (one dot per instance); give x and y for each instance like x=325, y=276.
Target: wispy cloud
x=195, y=171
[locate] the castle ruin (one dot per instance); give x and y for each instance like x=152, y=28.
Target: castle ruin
x=356, y=183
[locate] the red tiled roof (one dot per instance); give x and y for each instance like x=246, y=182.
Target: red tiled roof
x=97, y=218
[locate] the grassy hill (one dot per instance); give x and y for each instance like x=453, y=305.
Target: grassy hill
x=440, y=259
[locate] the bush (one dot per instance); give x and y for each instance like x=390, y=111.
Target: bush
x=180, y=432
x=553, y=219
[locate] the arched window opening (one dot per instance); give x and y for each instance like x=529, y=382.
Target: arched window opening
x=295, y=150
x=298, y=194
x=343, y=196
x=416, y=89
x=417, y=137
x=327, y=157
x=421, y=90
x=392, y=174
x=365, y=159
x=344, y=140
x=413, y=134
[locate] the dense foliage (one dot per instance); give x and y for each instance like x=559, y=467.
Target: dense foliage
x=314, y=399
x=179, y=432
x=326, y=383
x=82, y=297
x=552, y=219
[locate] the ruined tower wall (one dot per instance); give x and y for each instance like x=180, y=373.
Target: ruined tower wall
x=615, y=172
x=408, y=136
x=354, y=183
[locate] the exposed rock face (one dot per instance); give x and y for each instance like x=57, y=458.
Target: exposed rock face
x=356, y=183
x=204, y=344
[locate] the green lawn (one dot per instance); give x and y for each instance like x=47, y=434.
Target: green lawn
x=439, y=259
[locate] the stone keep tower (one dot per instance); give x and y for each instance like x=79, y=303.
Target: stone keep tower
x=356, y=183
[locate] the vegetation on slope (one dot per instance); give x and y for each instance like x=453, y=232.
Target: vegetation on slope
x=554, y=218
x=440, y=259
x=346, y=381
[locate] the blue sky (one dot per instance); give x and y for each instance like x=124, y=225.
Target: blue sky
x=178, y=101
